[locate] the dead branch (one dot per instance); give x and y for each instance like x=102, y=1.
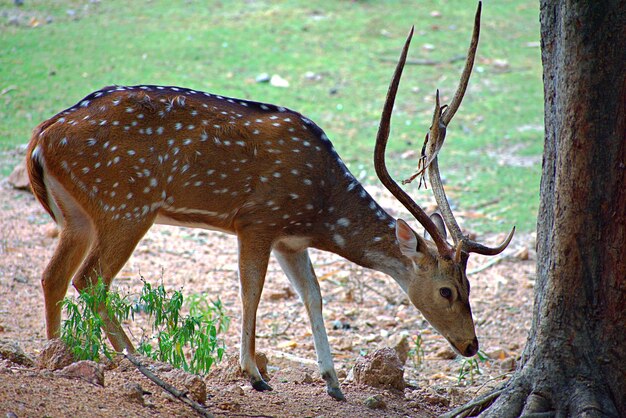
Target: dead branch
x=178, y=394
x=488, y=264
x=424, y=61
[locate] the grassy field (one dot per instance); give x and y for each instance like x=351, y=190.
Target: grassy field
x=336, y=55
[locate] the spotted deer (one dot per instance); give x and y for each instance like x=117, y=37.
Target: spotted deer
x=124, y=158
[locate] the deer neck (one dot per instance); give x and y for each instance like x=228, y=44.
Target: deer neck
x=357, y=228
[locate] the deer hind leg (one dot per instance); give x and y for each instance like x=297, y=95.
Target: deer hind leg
x=74, y=241
x=253, y=260
x=113, y=246
x=298, y=268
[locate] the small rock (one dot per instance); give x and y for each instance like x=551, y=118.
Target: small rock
x=409, y=154
x=508, y=364
x=261, y=363
x=263, y=78
x=289, y=374
x=498, y=354
x=18, y=179
x=11, y=351
x=229, y=370
x=522, y=254
x=55, y=355
x=375, y=402
x=229, y=406
x=192, y=383
x=278, y=81
x=501, y=64
x=445, y=353
x=234, y=390
x=381, y=369
x=86, y=370
x=436, y=399
x=134, y=392
x=337, y=324
x=400, y=343
x=310, y=75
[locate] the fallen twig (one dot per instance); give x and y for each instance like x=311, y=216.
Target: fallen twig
x=291, y=357
x=491, y=380
x=477, y=405
x=423, y=61
x=389, y=299
x=488, y=264
x=178, y=394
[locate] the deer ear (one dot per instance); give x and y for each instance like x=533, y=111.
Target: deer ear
x=439, y=223
x=411, y=244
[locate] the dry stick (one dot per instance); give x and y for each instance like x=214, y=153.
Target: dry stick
x=390, y=300
x=478, y=404
x=419, y=61
x=491, y=380
x=180, y=395
x=488, y=264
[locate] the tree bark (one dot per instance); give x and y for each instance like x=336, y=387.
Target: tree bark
x=574, y=362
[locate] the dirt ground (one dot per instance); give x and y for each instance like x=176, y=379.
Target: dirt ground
x=364, y=310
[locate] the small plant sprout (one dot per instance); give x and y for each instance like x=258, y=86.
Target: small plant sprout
x=416, y=353
x=470, y=367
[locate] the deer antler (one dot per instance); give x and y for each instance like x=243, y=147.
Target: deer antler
x=379, y=158
x=433, y=144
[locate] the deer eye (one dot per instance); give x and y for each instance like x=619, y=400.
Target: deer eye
x=445, y=292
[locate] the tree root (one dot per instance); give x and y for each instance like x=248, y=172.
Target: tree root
x=540, y=398
x=475, y=406
x=178, y=394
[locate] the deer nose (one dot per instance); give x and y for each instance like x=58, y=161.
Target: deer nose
x=471, y=348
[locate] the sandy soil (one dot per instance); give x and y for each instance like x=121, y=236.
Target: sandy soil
x=205, y=262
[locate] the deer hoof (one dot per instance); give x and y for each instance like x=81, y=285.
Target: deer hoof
x=261, y=386
x=336, y=394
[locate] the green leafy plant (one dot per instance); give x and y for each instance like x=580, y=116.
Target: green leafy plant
x=471, y=367
x=189, y=341
x=82, y=330
x=416, y=353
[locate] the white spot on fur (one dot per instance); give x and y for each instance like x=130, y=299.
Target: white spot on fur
x=343, y=222
x=339, y=240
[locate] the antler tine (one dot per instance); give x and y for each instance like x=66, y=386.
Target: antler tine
x=461, y=241
x=441, y=119
x=436, y=186
x=448, y=114
x=435, y=141
x=379, y=157
x=470, y=246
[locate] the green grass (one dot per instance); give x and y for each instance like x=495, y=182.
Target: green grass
x=222, y=46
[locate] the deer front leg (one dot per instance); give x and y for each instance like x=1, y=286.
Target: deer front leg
x=298, y=268
x=253, y=259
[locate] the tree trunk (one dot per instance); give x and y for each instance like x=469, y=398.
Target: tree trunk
x=574, y=363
